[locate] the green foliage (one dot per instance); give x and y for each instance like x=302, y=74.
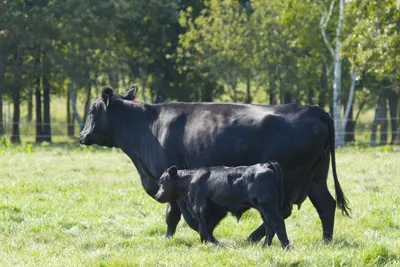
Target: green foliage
x=70, y=206
x=205, y=50
x=374, y=43
x=270, y=43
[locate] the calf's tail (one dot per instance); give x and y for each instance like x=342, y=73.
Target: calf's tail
x=341, y=200
x=279, y=181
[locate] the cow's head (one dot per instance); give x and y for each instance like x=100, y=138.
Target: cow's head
x=98, y=128
x=170, y=188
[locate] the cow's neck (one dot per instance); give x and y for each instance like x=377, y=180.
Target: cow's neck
x=132, y=124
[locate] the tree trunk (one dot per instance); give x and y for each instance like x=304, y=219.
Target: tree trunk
x=87, y=103
x=207, y=91
x=378, y=113
x=143, y=80
x=350, y=127
x=337, y=73
x=337, y=76
x=15, y=135
x=323, y=88
x=234, y=91
x=152, y=95
x=286, y=98
x=383, y=121
x=349, y=105
x=30, y=105
x=397, y=140
x=248, y=91
x=2, y=73
x=70, y=119
x=39, y=122
x=310, y=97
x=272, y=98
x=16, y=98
x=46, y=108
x=393, y=100
x=112, y=81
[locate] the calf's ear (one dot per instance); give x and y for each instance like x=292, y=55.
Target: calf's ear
x=173, y=171
x=107, y=94
x=131, y=93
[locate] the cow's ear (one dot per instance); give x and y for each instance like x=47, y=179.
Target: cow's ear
x=131, y=93
x=107, y=94
x=173, y=171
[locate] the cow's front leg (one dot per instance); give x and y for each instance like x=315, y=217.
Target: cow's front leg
x=173, y=216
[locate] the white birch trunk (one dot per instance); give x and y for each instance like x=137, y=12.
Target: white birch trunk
x=337, y=76
x=349, y=100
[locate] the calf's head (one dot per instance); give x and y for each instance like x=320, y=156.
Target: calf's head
x=170, y=186
x=98, y=127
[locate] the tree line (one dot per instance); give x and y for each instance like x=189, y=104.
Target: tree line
x=340, y=55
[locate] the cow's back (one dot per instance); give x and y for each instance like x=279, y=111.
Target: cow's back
x=211, y=134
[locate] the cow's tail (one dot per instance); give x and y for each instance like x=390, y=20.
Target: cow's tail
x=279, y=181
x=341, y=200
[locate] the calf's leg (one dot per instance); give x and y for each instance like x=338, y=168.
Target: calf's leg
x=260, y=232
x=206, y=233
x=172, y=216
x=272, y=218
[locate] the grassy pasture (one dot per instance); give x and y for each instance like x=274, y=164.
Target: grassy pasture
x=69, y=206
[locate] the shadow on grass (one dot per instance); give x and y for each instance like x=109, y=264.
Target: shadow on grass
x=181, y=242
x=339, y=242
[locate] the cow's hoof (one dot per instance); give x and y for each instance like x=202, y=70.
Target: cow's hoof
x=267, y=242
x=286, y=245
x=168, y=236
x=326, y=238
x=254, y=238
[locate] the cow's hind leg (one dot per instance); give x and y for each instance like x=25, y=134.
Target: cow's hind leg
x=325, y=204
x=172, y=216
x=322, y=199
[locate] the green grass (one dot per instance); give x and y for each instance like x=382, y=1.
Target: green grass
x=63, y=205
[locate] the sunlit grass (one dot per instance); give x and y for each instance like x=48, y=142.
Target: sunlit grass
x=70, y=206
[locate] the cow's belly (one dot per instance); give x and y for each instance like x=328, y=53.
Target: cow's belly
x=297, y=149
x=248, y=147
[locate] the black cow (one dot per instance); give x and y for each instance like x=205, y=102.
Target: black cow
x=212, y=192
x=191, y=135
